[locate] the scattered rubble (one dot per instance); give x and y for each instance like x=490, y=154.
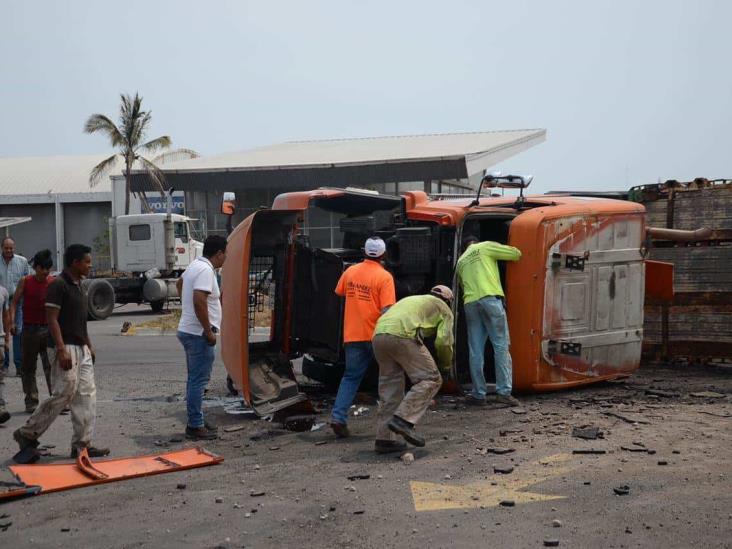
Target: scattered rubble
x=587, y=432
x=407, y=457
x=707, y=394
x=503, y=470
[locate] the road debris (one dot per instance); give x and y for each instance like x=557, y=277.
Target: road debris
x=556, y=523
x=181, y=486
x=300, y=423
x=507, y=503
x=662, y=394
x=407, y=457
x=642, y=449
x=551, y=543
x=622, y=490
x=359, y=477
x=587, y=432
x=256, y=493
x=592, y=451
x=503, y=470
x=219, y=499
x=707, y=394
x=234, y=428
x=627, y=419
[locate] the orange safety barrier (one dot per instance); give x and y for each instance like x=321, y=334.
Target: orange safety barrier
x=37, y=479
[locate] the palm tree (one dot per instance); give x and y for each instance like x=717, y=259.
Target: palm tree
x=129, y=139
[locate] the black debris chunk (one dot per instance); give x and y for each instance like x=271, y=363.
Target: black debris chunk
x=587, y=432
x=551, y=543
x=622, y=490
x=359, y=477
x=589, y=451
x=503, y=470
x=181, y=486
x=300, y=423
x=500, y=451
x=256, y=493
x=507, y=503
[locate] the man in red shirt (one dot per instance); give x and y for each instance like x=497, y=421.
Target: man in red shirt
x=369, y=290
x=35, y=339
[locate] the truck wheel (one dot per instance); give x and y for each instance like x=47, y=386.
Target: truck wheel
x=99, y=298
x=157, y=306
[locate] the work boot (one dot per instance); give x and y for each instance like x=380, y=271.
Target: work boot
x=4, y=415
x=29, y=409
x=404, y=428
x=200, y=433
x=210, y=426
x=505, y=400
x=470, y=400
x=340, y=429
x=389, y=446
x=91, y=451
x=28, y=453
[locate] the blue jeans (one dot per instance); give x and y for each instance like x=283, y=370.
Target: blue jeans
x=199, y=361
x=17, y=345
x=486, y=318
x=359, y=356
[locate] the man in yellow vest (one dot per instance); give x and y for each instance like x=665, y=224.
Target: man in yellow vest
x=485, y=313
x=399, y=349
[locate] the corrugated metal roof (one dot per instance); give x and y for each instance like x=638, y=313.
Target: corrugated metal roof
x=476, y=149
x=10, y=221
x=39, y=175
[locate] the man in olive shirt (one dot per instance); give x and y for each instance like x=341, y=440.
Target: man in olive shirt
x=72, y=372
x=485, y=313
x=399, y=350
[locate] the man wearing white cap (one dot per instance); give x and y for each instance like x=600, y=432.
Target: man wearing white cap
x=369, y=290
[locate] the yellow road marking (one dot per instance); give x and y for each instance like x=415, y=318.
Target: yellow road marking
x=430, y=496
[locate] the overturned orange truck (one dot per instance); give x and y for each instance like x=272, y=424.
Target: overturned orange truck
x=574, y=300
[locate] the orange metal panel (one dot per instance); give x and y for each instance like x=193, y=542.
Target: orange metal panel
x=234, y=327
x=660, y=281
x=55, y=477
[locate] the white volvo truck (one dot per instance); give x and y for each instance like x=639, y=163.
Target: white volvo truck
x=149, y=252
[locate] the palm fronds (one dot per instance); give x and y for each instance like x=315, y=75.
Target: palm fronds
x=101, y=169
x=154, y=174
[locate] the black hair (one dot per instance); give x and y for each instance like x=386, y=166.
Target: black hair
x=468, y=240
x=213, y=245
x=75, y=252
x=43, y=259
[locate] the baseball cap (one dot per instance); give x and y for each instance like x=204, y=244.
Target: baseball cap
x=443, y=292
x=374, y=247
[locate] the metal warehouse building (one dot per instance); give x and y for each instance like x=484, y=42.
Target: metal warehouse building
x=54, y=191
x=437, y=163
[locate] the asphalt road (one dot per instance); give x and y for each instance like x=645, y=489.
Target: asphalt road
x=448, y=497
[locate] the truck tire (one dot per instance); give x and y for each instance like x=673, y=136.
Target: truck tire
x=99, y=298
x=157, y=306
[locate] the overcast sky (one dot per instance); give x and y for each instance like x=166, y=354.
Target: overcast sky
x=629, y=91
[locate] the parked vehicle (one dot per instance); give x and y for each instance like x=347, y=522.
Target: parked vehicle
x=149, y=251
x=574, y=300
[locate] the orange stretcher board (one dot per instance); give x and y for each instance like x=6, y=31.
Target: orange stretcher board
x=55, y=477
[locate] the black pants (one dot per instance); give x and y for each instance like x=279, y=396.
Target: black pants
x=35, y=342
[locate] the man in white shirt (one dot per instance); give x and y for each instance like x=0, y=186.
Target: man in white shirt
x=200, y=321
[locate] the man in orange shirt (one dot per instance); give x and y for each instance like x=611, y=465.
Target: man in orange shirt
x=369, y=290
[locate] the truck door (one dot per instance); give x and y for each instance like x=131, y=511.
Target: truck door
x=257, y=313
x=593, y=307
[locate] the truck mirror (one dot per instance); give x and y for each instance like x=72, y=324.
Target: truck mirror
x=495, y=179
x=228, y=204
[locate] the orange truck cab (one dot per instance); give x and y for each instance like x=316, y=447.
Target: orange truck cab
x=574, y=299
